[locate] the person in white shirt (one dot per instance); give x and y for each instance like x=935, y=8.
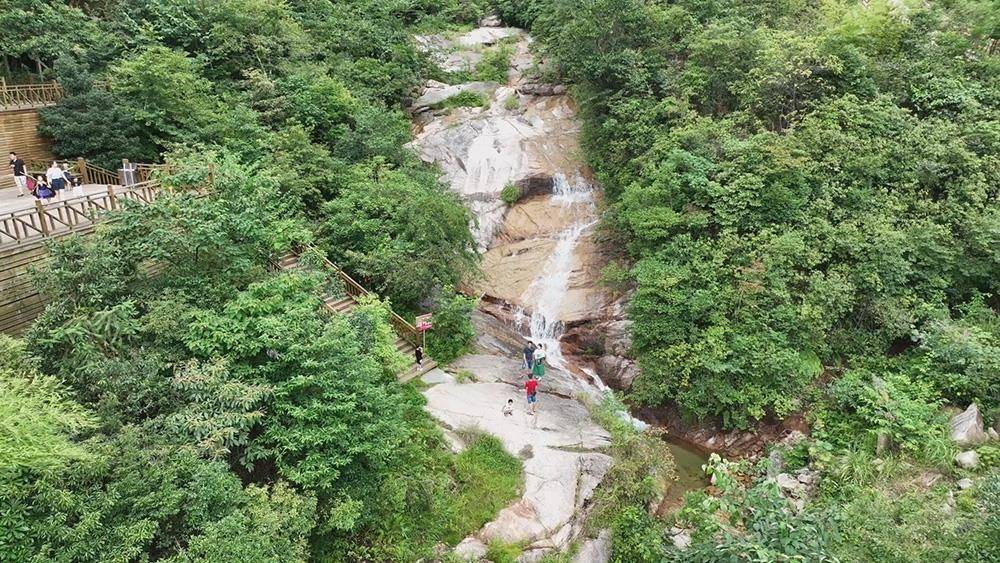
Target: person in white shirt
x=56, y=178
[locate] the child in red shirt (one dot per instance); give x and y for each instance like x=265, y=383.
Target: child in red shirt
x=531, y=389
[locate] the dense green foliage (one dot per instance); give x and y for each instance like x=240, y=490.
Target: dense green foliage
x=229, y=415
x=453, y=333
x=798, y=184
x=214, y=411
x=807, y=201
x=309, y=93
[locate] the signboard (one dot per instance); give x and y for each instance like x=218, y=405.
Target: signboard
x=423, y=322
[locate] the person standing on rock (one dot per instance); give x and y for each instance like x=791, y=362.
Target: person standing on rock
x=538, y=369
x=529, y=352
x=531, y=390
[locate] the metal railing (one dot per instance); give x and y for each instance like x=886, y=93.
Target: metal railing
x=22, y=96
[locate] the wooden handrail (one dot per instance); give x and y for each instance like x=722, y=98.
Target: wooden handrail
x=402, y=327
x=59, y=217
x=22, y=96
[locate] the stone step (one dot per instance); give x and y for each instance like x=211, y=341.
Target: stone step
x=416, y=371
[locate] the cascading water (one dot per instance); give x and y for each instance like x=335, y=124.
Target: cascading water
x=544, y=297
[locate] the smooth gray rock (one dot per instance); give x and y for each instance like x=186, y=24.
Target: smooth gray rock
x=788, y=484
x=433, y=95
x=965, y=483
x=566, y=463
x=470, y=549
x=967, y=427
x=596, y=550
x=490, y=21
x=681, y=538
x=967, y=460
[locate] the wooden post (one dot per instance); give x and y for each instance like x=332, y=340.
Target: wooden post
x=41, y=217
x=113, y=200
x=81, y=169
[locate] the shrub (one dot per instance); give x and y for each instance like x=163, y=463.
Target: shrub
x=494, y=64
x=487, y=479
x=464, y=99
x=512, y=103
x=510, y=194
x=452, y=334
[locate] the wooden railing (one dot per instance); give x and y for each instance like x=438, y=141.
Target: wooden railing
x=89, y=173
x=47, y=219
x=402, y=327
x=20, y=96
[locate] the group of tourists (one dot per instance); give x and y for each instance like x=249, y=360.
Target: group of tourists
x=534, y=364
x=44, y=187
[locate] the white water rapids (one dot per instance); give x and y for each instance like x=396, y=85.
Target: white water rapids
x=544, y=297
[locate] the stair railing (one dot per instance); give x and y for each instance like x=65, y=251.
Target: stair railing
x=402, y=327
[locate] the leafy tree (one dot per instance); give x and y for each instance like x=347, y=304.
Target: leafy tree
x=453, y=333
x=37, y=419
x=168, y=94
x=93, y=122
x=383, y=217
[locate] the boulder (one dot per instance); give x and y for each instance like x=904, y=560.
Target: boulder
x=617, y=338
x=470, y=549
x=789, y=484
x=967, y=460
x=992, y=433
x=434, y=93
x=967, y=427
x=490, y=21
x=807, y=477
x=596, y=550
x=965, y=483
x=681, y=538
x=617, y=372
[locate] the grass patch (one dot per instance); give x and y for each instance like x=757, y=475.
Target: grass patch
x=502, y=552
x=512, y=103
x=466, y=99
x=487, y=479
x=494, y=64
x=510, y=194
x=464, y=376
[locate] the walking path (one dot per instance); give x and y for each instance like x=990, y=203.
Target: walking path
x=10, y=202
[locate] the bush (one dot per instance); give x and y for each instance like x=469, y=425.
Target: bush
x=452, y=334
x=510, y=194
x=494, y=65
x=464, y=99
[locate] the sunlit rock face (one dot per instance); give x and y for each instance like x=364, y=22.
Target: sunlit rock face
x=528, y=136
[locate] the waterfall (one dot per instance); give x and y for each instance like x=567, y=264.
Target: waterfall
x=545, y=296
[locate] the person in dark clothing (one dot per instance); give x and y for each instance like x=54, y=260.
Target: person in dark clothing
x=20, y=176
x=42, y=189
x=529, y=352
x=419, y=353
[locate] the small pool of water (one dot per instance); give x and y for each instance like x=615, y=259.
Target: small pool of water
x=687, y=464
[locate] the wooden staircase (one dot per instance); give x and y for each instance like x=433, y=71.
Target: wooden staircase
x=406, y=334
